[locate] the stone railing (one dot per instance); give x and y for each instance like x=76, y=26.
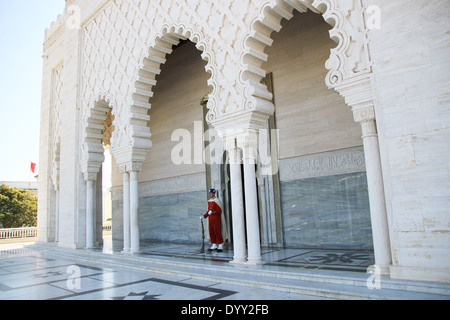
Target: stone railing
x=18, y=233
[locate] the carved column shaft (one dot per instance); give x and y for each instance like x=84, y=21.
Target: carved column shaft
x=248, y=142
x=126, y=212
x=131, y=239
x=237, y=201
x=134, y=212
x=91, y=179
x=380, y=230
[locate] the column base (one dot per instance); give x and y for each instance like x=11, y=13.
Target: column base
x=239, y=261
x=384, y=270
x=255, y=262
x=70, y=245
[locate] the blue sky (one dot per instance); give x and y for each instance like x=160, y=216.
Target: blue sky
x=22, y=25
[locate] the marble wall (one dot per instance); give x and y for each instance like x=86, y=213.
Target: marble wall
x=173, y=217
x=412, y=58
x=324, y=200
x=165, y=218
x=169, y=210
x=327, y=212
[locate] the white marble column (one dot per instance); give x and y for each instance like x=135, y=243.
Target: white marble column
x=237, y=201
x=126, y=212
x=56, y=226
x=380, y=230
x=134, y=213
x=248, y=143
x=264, y=213
x=90, y=209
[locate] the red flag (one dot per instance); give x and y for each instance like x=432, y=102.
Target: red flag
x=33, y=167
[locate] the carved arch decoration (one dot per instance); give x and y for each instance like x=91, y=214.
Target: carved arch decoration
x=124, y=44
x=150, y=67
x=92, y=150
x=349, y=62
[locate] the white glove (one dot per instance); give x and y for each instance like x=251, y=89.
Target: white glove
x=210, y=212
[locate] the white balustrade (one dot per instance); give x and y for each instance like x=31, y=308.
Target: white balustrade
x=18, y=233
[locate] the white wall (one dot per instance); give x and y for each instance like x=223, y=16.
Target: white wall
x=411, y=63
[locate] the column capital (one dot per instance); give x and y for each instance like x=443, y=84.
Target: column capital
x=133, y=166
x=129, y=158
x=248, y=142
x=90, y=176
x=241, y=139
x=364, y=114
x=90, y=169
x=358, y=94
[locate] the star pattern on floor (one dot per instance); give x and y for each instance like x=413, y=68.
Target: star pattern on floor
x=339, y=258
x=138, y=296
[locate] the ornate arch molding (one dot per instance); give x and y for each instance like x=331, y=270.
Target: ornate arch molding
x=92, y=137
x=150, y=67
x=118, y=58
x=349, y=67
x=349, y=74
x=144, y=81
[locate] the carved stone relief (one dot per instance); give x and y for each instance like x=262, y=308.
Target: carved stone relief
x=56, y=125
x=349, y=61
x=323, y=164
x=126, y=42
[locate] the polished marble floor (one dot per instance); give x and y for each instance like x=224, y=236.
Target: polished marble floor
x=324, y=259
x=27, y=274
x=161, y=272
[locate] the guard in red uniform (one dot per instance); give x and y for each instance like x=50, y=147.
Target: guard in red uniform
x=215, y=222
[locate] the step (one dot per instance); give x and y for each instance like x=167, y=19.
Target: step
x=320, y=283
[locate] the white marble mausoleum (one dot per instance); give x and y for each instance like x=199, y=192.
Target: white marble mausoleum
x=321, y=123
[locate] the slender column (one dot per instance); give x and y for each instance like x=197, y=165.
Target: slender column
x=57, y=216
x=126, y=212
x=237, y=201
x=264, y=213
x=90, y=209
x=134, y=212
x=249, y=143
x=380, y=230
